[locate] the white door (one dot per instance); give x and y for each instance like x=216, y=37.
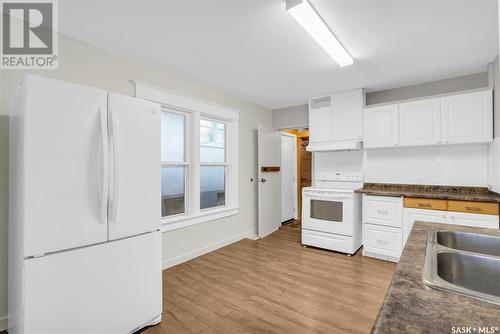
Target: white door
x=65, y=162
x=420, y=123
x=269, y=183
x=320, y=124
x=468, y=118
x=109, y=288
x=381, y=126
x=348, y=115
x=135, y=194
x=410, y=216
x=288, y=176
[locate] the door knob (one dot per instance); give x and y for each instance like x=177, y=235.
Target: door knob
x=263, y=180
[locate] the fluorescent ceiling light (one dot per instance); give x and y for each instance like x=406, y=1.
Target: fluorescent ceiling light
x=308, y=18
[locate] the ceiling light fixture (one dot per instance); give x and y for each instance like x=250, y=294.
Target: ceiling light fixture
x=309, y=19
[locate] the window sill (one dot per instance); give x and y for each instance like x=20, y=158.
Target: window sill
x=175, y=223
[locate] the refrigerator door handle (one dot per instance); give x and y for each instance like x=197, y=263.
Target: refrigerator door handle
x=114, y=139
x=105, y=166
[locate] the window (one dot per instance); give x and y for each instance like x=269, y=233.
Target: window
x=212, y=164
x=173, y=163
x=199, y=159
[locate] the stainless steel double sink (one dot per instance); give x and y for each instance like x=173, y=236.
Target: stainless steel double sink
x=463, y=263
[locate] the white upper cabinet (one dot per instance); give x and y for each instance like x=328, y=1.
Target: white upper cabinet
x=336, y=121
x=468, y=118
x=348, y=115
x=456, y=119
x=420, y=123
x=381, y=126
x=320, y=119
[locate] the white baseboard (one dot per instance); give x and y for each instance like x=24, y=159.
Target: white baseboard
x=380, y=257
x=3, y=323
x=253, y=236
x=167, y=263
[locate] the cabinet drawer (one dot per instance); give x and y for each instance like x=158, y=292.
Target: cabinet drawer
x=383, y=240
x=339, y=243
x=424, y=203
x=472, y=219
x=484, y=208
x=380, y=210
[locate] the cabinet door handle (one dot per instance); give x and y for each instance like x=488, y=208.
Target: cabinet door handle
x=382, y=242
x=424, y=205
x=473, y=208
x=382, y=212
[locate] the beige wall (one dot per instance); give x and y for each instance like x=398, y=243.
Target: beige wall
x=82, y=63
x=291, y=117
x=450, y=85
x=4, y=181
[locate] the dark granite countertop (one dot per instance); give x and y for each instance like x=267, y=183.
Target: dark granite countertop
x=477, y=194
x=412, y=307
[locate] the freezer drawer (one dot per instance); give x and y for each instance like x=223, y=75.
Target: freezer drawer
x=114, y=287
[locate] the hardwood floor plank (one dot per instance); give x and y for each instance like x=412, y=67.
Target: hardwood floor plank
x=273, y=286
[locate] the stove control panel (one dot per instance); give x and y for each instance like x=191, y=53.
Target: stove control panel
x=340, y=176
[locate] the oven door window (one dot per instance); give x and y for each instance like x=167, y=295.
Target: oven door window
x=326, y=210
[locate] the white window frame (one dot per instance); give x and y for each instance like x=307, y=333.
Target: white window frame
x=196, y=109
x=224, y=164
x=186, y=163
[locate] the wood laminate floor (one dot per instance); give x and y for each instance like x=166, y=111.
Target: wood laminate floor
x=295, y=223
x=273, y=285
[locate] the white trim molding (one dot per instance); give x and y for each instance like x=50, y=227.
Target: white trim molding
x=168, y=263
x=195, y=109
x=183, y=102
x=181, y=221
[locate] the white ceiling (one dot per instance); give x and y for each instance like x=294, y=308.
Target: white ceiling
x=256, y=51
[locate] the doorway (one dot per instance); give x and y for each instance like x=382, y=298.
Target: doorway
x=302, y=171
x=281, y=173
x=289, y=174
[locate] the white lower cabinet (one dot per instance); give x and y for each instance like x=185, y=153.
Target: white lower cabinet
x=410, y=216
x=472, y=219
x=387, y=225
x=382, y=227
x=382, y=242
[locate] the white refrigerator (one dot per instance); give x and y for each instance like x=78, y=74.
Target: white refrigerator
x=84, y=214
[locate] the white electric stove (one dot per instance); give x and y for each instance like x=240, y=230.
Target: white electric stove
x=331, y=212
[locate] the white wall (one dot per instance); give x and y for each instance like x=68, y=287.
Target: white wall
x=342, y=161
x=494, y=148
x=456, y=165
x=86, y=64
